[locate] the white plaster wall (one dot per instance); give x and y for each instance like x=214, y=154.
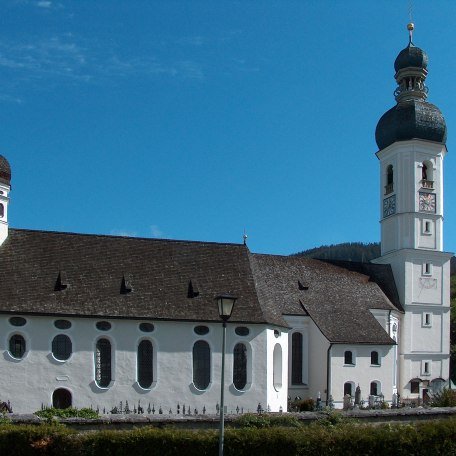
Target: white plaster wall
x=318, y=352
x=362, y=372
x=30, y=382
x=382, y=316
x=401, y=230
x=4, y=200
x=299, y=324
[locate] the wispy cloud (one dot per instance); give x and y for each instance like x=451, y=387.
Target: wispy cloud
x=50, y=57
x=191, y=40
x=44, y=4
x=156, y=232
x=124, y=233
x=5, y=98
x=65, y=59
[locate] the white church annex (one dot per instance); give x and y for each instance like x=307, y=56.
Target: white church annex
x=90, y=320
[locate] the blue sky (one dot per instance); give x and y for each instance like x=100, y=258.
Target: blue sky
x=197, y=119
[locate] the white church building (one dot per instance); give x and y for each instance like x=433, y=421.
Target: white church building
x=90, y=320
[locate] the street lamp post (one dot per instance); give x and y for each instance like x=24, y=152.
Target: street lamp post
x=225, y=307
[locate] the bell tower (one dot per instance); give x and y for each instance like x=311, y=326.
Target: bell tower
x=5, y=187
x=411, y=138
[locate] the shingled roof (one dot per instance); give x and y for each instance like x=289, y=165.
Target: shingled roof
x=70, y=274
x=337, y=300
x=381, y=274
x=94, y=269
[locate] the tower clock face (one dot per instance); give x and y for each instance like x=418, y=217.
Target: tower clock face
x=427, y=202
x=389, y=206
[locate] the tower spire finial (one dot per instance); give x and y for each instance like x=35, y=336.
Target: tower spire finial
x=410, y=28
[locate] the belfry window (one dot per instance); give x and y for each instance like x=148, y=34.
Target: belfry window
x=145, y=364
x=240, y=366
x=296, y=358
x=201, y=364
x=427, y=175
x=103, y=373
x=389, y=187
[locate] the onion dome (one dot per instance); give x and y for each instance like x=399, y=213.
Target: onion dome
x=411, y=56
x=412, y=117
x=5, y=171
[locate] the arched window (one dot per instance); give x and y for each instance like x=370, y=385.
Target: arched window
x=296, y=358
x=62, y=347
x=201, y=364
x=145, y=364
x=103, y=363
x=17, y=346
x=375, y=360
x=2, y=210
x=348, y=357
x=61, y=398
x=375, y=388
x=348, y=388
x=389, y=187
x=240, y=366
x=277, y=366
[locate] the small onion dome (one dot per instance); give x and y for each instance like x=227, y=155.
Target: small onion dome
x=411, y=56
x=5, y=171
x=413, y=119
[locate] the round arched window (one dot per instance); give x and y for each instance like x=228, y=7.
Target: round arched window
x=61, y=398
x=201, y=364
x=17, y=346
x=62, y=347
x=145, y=364
x=240, y=366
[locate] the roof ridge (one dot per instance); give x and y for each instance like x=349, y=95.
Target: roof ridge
x=114, y=236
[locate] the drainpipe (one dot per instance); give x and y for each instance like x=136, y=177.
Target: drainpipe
x=389, y=323
x=328, y=373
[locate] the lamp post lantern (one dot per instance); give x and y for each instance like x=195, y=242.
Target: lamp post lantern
x=225, y=307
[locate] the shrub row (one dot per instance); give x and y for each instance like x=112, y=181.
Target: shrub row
x=424, y=438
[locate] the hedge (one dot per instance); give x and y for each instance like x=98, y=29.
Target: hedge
x=423, y=438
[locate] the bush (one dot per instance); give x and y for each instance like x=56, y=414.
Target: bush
x=251, y=420
x=51, y=413
x=444, y=398
x=437, y=437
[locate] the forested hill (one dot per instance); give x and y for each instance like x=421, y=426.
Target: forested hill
x=352, y=251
